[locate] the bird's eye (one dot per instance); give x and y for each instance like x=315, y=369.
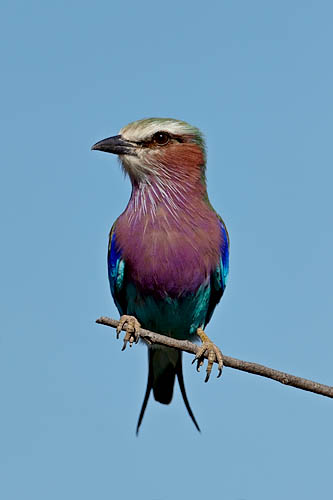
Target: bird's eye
x=161, y=138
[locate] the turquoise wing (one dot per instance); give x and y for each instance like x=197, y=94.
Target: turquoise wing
x=116, y=271
x=219, y=276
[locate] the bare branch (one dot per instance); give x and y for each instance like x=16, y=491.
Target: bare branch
x=246, y=366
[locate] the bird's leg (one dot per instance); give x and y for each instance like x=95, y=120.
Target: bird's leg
x=214, y=354
x=132, y=327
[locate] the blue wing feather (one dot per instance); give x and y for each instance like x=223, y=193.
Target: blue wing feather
x=220, y=274
x=116, y=270
x=224, y=256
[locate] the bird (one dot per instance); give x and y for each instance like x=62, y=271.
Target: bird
x=168, y=252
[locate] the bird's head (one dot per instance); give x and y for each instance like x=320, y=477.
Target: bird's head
x=158, y=147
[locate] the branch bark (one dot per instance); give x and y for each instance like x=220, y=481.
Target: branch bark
x=238, y=364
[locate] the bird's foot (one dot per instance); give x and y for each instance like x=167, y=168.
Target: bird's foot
x=132, y=327
x=213, y=352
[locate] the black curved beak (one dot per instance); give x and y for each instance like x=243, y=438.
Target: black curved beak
x=116, y=145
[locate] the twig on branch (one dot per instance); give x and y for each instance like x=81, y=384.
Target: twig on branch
x=238, y=364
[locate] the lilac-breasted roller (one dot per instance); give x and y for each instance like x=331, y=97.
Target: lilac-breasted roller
x=168, y=255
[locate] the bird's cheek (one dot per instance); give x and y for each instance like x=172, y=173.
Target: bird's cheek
x=130, y=163
x=138, y=167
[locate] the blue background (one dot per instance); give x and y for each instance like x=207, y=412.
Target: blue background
x=257, y=78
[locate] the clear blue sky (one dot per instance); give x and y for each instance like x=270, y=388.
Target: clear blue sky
x=257, y=78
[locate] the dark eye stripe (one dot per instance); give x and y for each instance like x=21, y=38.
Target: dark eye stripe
x=150, y=142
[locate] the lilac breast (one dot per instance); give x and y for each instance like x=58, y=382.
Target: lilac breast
x=169, y=256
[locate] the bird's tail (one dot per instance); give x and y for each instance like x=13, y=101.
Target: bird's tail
x=164, y=364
